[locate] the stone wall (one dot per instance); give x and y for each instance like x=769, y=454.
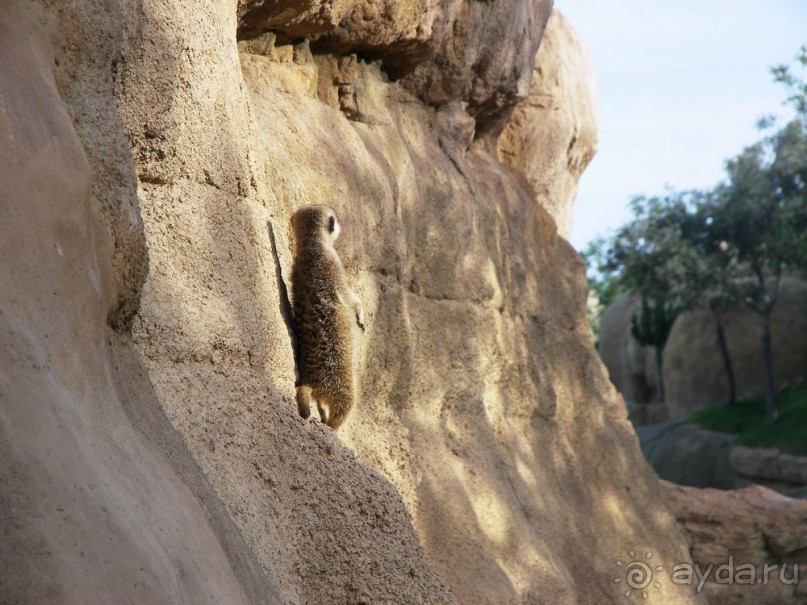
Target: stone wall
x=151, y=444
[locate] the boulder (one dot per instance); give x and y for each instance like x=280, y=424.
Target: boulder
x=552, y=135
x=630, y=365
x=734, y=535
x=694, y=376
x=693, y=367
x=783, y=472
x=688, y=455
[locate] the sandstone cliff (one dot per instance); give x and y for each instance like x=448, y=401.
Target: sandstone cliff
x=150, y=443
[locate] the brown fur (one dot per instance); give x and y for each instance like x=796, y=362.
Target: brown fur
x=325, y=309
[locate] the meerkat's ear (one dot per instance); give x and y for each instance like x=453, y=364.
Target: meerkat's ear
x=333, y=227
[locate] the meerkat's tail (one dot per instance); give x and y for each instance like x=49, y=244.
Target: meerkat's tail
x=337, y=418
x=304, y=399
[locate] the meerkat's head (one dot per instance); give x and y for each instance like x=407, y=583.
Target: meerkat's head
x=315, y=222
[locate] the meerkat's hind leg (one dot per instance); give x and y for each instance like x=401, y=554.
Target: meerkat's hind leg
x=324, y=412
x=304, y=398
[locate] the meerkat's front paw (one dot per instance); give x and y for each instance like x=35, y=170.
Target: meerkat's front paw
x=360, y=319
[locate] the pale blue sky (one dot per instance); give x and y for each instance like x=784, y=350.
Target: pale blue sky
x=681, y=86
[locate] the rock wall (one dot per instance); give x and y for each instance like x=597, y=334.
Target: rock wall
x=101, y=501
x=152, y=449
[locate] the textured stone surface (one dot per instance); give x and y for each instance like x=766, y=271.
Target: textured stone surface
x=754, y=526
x=552, y=135
x=759, y=465
x=100, y=500
x=403, y=34
x=291, y=18
x=688, y=455
x=484, y=59
x=484, y=412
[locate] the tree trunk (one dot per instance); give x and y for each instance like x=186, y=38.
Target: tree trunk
x=724, y=353
x=659, y=376
x=767, y=360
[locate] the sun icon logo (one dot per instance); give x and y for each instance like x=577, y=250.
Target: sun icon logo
x=638, y=574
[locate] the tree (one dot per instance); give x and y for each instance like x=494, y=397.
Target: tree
x=714, y=248
x=667, y=255
x=797, y=86
x=601, y=280
x=758, y=222
x=711, y=283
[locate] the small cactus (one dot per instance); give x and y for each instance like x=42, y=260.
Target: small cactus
x=650, y=327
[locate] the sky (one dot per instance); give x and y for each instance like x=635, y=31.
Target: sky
x=681, y=85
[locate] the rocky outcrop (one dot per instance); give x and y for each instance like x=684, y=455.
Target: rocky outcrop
x=693, y=368
x=689, y=455
x=446, y=51
x=403, y=34
x=157, y=455
x=473, y=66
x=552, y=135
x=746, y=543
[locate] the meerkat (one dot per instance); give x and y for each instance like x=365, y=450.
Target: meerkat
x=325, y=309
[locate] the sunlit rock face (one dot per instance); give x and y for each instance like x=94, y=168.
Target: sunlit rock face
x=488, y=459
x=552, y=135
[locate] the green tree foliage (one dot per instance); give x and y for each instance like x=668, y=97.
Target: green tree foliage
x=758, y=217
x=603, y=286
x=600, y=278
x=758, y=221
x=796, y=85
x=657, y=253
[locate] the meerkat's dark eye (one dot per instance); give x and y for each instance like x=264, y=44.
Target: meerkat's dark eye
x=332, y=224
